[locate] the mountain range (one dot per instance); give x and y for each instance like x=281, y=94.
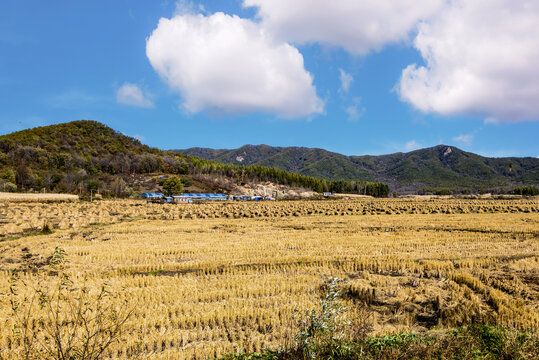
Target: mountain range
x=441, y=166
x=85, y=155
x=73, y=156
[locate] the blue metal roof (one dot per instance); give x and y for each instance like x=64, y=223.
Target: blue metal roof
x=205, y=195
x=193, y=196
x=152, y=195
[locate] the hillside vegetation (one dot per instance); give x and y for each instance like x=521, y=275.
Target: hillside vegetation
x=86, y=155
x=421, y=170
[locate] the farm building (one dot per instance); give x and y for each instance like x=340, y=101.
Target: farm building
x=211, y=197
x=179, y=199
x=152, y=195
x=242, y=198
x=189, y=198
x=185, y=197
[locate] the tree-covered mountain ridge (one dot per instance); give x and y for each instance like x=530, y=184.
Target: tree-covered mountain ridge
x=81, y=155
x=442, y=166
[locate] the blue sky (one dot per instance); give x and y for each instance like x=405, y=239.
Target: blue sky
x=222, y=74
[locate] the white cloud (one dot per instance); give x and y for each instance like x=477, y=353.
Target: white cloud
x=184, y=7
x=228, y=64
x=131, y=94
x=357, y=26
x=464, y=139
x=346, y=81
x=492, y=120
x=355, y=111
x=481, y=59
x=412, y=145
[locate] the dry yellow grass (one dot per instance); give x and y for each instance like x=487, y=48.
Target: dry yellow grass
x=27, y=197
x=22, y=217
x=211, y=279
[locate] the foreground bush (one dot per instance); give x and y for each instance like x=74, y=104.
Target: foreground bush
x=329, y=332
x=472, y=342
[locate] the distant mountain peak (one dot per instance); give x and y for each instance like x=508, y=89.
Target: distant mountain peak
x=437, y=166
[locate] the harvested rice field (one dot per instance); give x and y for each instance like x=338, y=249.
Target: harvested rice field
x=203, y=280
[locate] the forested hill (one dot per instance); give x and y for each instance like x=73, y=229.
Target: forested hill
x=85, y=154
x=85, y=137
x=439, y=167
x=84, y=144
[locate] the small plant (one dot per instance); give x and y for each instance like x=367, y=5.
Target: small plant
x=323, y=326
x=46, y=229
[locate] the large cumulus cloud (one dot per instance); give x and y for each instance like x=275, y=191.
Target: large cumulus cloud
x=227, y=64
x=481, y=59
x=358, y=26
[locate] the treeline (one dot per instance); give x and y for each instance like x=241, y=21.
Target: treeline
x=375, y=189
x=526, y=191
x=243, y=174
x=79, y=181
x=111, y=163
x=29, y=168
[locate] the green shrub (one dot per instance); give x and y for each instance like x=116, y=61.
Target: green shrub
x=8, y=175
x=323, y=326
x=9, y=187
x=172, y=186
x=475, y=342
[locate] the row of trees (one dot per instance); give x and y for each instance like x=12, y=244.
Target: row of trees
x=526, y=191
x=375, y=189
x=24, y=178
x=261, y=173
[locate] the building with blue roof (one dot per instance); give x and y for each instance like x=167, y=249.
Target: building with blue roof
x=205, y=196
x=184, y=198
x=152, y=195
